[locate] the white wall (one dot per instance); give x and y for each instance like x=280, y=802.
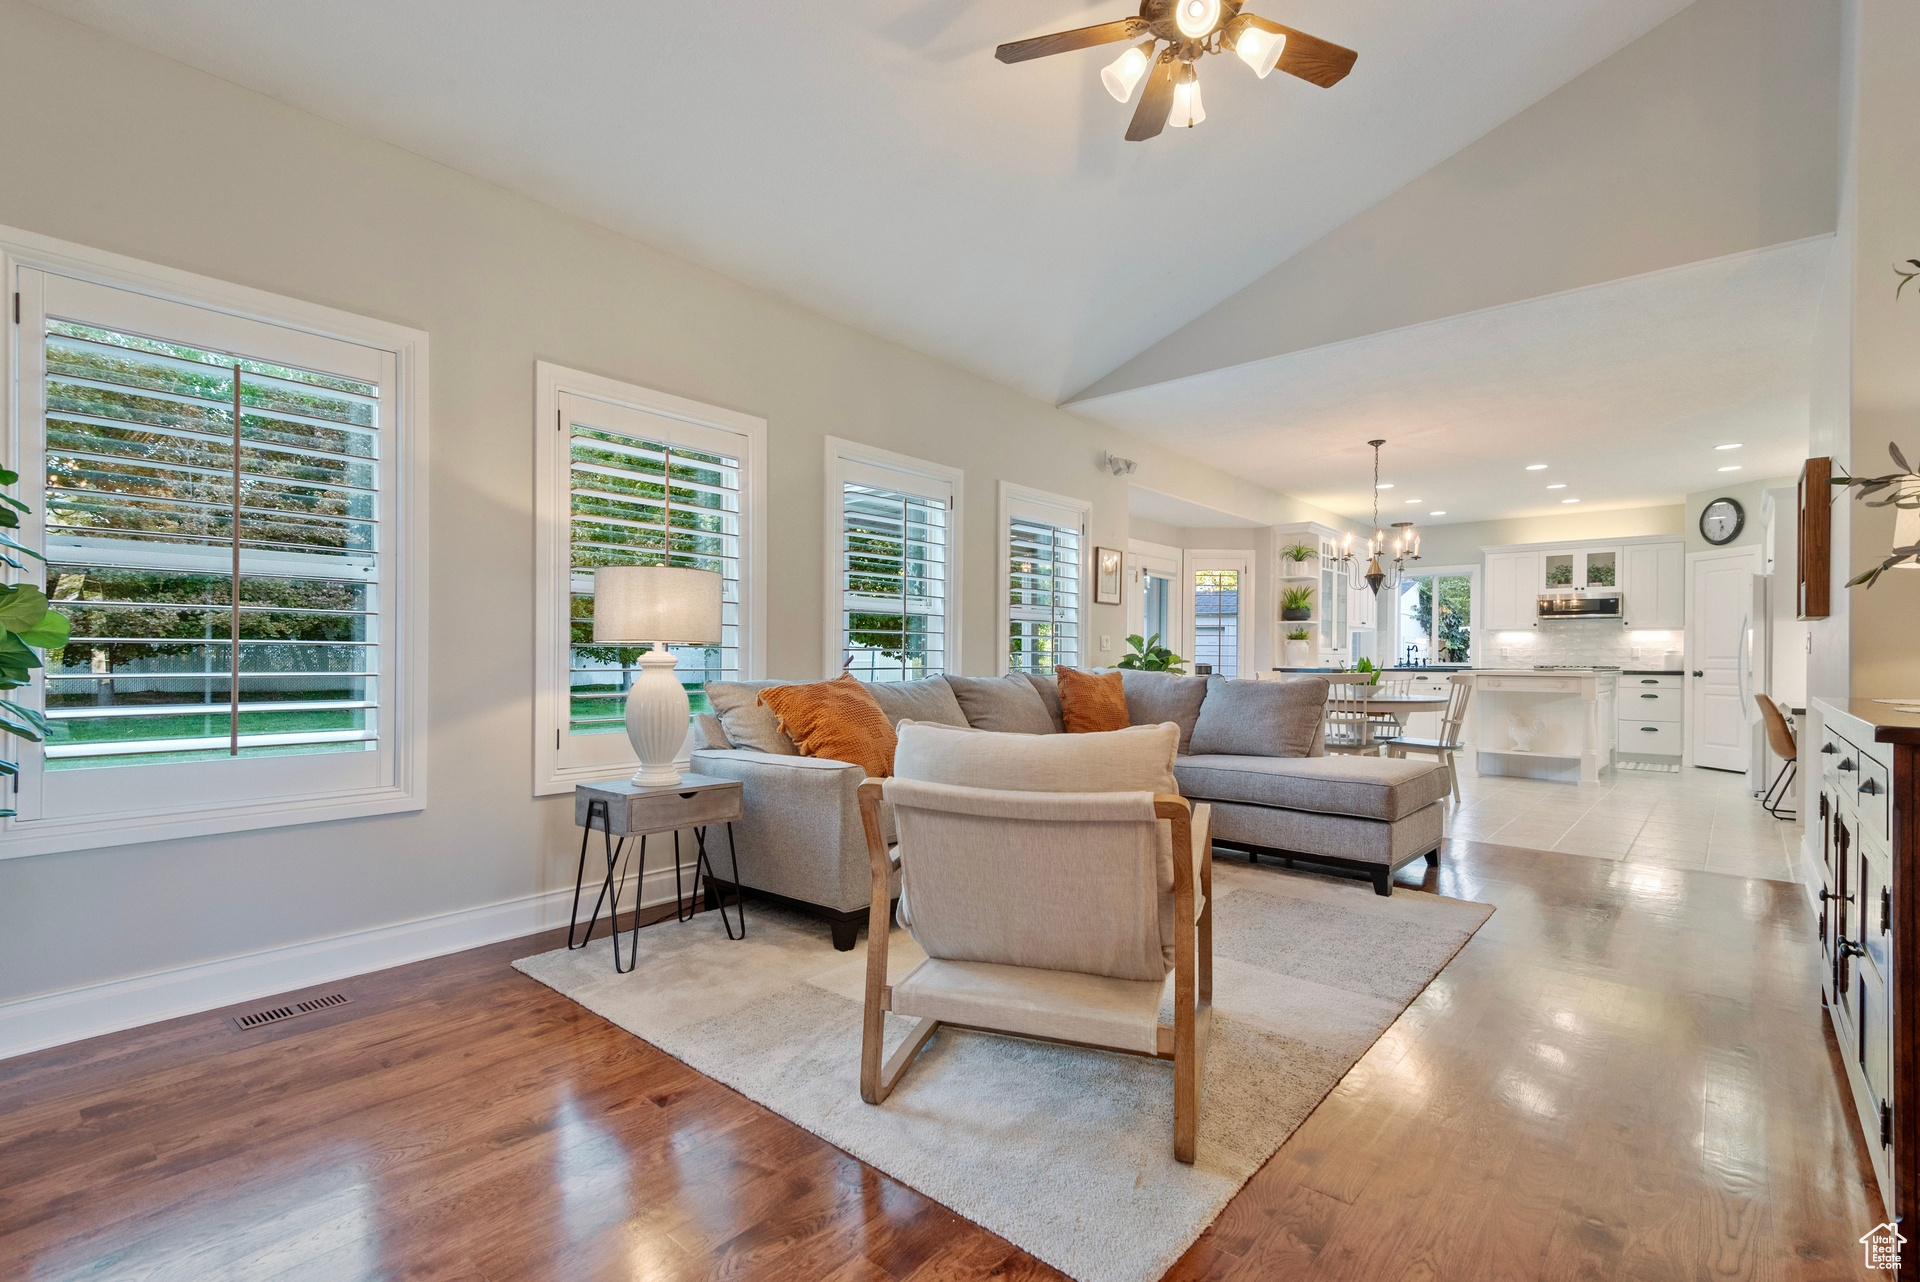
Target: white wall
x=1712, y=134
x=112, y=147
x=1748, y=494
x=1460, y=544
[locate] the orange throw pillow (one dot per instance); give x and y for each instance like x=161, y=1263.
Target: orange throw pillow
x=1091, y=702
x=838, y=719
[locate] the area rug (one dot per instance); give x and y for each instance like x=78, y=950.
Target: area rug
x=1067, y=1153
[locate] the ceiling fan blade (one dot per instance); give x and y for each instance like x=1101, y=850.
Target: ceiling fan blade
x=1316, y=61
x=1156, y=101
x=1067, y=41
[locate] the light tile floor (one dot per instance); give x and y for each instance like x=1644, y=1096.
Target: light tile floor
x=1698, y=819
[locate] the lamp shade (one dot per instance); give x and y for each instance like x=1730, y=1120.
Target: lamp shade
x=636, y=604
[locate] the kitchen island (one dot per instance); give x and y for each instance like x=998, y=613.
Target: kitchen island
x=1544, y=723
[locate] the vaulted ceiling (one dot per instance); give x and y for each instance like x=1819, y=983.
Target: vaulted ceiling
x=870, y=160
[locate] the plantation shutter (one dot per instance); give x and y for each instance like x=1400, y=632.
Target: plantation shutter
x=894, y=530
x=644, y=489
x=1044, y=544
x=213, y=535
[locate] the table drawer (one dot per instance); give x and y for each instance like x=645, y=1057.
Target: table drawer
x=1661, y=738
x=661, y=811
x=1637, y=704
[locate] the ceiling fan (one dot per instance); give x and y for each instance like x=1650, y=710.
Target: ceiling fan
x=1191, y=30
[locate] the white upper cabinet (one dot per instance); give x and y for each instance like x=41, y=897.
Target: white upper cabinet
x=1572, y=569
x=1654, y=584
x=1512, y=589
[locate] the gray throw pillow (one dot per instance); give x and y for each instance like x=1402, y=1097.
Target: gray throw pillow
x=1153, y=697
x=1048, y=688
x=1009, y=704
x=1260, y=718
x=748, y=724
x=927, y=700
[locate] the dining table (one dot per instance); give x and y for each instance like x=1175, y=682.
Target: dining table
x=1398, y=706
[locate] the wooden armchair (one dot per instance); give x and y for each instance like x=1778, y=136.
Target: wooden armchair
x=1045, y=915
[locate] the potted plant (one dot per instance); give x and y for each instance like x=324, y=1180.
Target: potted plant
x=1298, y=651
x=27, y=623
x=1365, y=668
x=1293, y=559
x=1150, y=656
x=1296, y=604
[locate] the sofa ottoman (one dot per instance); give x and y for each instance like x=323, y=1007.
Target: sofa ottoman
x=1373, y=814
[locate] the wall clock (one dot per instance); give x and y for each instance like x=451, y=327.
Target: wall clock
x=1721, y=521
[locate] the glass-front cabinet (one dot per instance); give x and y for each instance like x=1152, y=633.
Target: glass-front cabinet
x=1596, y=569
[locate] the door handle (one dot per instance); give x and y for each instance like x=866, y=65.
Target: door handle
x=1847, y=948
x=1870, y=788
x=1698, y=673
x=1649, y=696
x=1825, y=895
x=1829, y=748
x=1846, y=763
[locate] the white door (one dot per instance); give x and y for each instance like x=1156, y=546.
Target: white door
x=1720, y=588
x=1220, y=590
x=1154, y=599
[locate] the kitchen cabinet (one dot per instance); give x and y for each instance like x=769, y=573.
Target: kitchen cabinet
x=1654, y=586
x=1652, y=712
x=1569, y=569
x=1869, y=763
x=1512, y=591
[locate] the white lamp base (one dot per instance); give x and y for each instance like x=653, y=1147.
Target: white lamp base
x=657, y=711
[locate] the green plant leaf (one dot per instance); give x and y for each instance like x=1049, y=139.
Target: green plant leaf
x=16, y=660
x=8, y=708
x=8, y=767
x=21, y=607
x=8, y=477
x=8, y=814
x=50, y=633
x=6, y=542
x=14, y=503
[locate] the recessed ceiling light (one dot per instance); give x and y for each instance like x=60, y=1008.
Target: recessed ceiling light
x=1436, y=513
x=1569, y=500
x=1384, y=485
x=1559, y=486
x=1734, y=468
x=1536, y=467
x=1732, y=446
x=1416, y=500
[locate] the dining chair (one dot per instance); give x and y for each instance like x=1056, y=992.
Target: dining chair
x=1348, y=726
x=1386, y=726
x=1449, y=741
x=1786, y=747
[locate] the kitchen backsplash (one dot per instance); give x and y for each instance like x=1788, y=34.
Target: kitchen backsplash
x=1581, y=642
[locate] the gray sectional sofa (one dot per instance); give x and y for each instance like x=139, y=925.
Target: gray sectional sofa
x=1251, y=748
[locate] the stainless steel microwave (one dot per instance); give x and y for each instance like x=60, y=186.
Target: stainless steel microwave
x=1580, y=607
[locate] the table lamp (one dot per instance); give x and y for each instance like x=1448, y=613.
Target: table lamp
x=656, y=605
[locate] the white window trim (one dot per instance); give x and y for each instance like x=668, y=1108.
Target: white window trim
x=841, y=451
x=1471, y=572
x=407, y=790
x=553, y=571
x=1009, y=493
x=1221, y=559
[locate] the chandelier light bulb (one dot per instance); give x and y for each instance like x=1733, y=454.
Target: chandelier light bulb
x=1260, y=50
x=1123, y=73
x=1187, y=111
x=1196, y=18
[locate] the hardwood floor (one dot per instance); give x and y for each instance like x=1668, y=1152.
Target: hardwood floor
x=1624, y=1075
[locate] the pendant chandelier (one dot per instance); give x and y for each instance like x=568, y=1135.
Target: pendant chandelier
x=1405, y=545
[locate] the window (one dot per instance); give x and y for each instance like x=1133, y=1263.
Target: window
x=893, y=539
x=228, y=509
x=1045, y=537
x=1433, y=617
x=1222, y=590
x=632, y=477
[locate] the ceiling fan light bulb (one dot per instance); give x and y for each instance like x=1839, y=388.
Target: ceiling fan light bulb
x=1196, y=18
x=1187, y=111
x=1260, y=50
x=1123, y=73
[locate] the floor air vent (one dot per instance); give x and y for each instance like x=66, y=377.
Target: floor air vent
x=292, y=1010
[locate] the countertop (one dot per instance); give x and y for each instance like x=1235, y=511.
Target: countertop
x=1890, y=725
x=1653, y=672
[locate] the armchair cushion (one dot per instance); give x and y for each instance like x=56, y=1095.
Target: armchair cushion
x=1260, y=718
x=1008, y=704
x=1138, y=759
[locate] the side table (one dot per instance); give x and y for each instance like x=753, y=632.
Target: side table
x=624, y=811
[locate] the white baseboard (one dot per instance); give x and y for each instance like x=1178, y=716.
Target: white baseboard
x=35, y=1023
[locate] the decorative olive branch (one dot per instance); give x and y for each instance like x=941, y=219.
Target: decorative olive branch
x=1906, y=277
x=1902, y=492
